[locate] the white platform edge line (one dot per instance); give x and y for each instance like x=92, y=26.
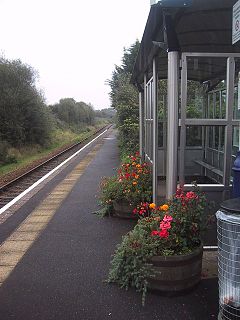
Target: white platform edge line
x=12, y=202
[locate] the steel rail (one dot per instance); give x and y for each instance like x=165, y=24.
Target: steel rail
x=24, y=175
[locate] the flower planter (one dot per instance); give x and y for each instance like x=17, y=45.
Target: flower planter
x=123, y=209
x=176, y=274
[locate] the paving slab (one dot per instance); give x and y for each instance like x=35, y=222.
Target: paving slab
x=62, y=276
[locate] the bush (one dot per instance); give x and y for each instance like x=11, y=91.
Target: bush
x=6, y=154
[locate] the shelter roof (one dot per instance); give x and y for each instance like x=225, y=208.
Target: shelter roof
x=203, y=26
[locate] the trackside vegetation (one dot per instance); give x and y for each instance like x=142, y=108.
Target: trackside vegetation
x=29, y=128
x=124, y=99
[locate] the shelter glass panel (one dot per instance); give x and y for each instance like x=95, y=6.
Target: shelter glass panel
x=236, y=142
x=236, y=107
x=162, y=113
x=236, y=139
x=204, y=155
x=194, y=136
x=149, y=120
x=206, y=88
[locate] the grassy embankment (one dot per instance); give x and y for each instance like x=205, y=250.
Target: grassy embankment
x=59, y=139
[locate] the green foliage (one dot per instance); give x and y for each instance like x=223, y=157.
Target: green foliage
x=128, y=136
x=129, y=266
x=171, y=229
x=108, y=113
x=5, y=153
x=24, y=118
x=104, y=211
x=129, y=57
x=124, y=98
x=20, y=157
x=74, y=114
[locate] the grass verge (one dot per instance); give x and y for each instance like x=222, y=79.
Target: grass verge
x=60, y=139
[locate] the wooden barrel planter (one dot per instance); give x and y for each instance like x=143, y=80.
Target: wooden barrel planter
x=123, y=209
x=176, y=274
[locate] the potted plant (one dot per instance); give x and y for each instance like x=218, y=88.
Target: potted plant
x=131, y=186
x=164, y=250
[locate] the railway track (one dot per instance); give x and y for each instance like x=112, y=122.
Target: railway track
x=13, y=188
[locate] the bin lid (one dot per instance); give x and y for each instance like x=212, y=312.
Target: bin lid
x=231, y=205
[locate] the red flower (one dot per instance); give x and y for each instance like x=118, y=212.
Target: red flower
x=155, y=233
x=167, y=218
x=164, y=233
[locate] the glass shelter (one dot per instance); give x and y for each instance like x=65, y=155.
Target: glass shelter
x=188, y=75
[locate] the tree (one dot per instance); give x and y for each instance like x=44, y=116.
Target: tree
x=74, y=114
x=107, y=113
x=24, y=118
x=124, y=99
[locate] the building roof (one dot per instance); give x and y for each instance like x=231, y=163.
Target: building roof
x=203, y=26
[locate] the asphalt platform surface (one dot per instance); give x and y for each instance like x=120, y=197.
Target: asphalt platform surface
x=62, y=275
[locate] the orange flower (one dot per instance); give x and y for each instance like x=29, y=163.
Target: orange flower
x=138, y=166
x=152, y=206
x=134, y=183
x=134, y=163
x=136, y=176
x=164, y=207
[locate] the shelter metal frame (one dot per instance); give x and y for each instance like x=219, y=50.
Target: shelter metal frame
x=228, y=122
x=149, y=121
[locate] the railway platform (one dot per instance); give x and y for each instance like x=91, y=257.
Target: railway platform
x=55, y=254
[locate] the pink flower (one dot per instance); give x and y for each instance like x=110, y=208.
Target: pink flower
x=167, y=218
x=165, y=225
x=135, y=211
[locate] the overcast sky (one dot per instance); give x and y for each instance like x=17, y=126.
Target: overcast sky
x=73, y=44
